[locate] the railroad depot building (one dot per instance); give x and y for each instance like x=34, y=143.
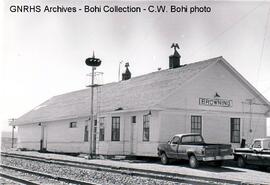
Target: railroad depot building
x=134, y=115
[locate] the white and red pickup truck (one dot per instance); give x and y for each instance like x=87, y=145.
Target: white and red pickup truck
x=257, y=154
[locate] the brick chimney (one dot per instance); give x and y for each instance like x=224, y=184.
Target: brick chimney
x=127, y=74
x=174, y=60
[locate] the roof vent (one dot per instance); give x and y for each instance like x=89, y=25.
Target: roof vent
x=119, y=108
x=174, y=60
x=127, y=74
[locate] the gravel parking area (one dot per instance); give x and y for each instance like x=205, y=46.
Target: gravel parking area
x=229, y=173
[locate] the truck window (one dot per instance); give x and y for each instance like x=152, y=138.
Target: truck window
x=257, y=144
x=191, y=139
x=175, y=140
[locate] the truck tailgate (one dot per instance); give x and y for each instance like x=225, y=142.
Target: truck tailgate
x=217, y=150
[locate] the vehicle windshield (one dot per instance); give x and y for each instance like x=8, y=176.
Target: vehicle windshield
x=257, y=144
x=192, y=139
x=266, y=144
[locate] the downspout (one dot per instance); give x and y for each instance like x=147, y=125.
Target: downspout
x=123, y=134
x=12, y=137
x=41, y=136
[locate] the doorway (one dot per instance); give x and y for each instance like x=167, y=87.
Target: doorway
x=43, y=139
x=133, y=136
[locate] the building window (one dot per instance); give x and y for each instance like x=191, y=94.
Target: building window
x=235, y=130
x=115, y=128
x=196, y=124
x=73, y=124
x=146, y=128
x=86, y=133
x=101, y=129
x=95, y=129
x=133, y=119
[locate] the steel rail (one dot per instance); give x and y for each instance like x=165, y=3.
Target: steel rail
x=50, y=176
x=169, y=176
x=16, y=179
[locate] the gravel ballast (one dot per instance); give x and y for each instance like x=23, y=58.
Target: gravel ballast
x=225, y=172
x=99, y=177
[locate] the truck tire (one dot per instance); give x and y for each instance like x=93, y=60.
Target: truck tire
x=193, y=162
x=241, y=162
x=164, y=159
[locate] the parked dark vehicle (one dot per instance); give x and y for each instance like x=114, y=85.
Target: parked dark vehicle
x=193, y=148
x=257, y=154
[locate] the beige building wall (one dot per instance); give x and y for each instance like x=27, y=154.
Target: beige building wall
x=61, y=138
x=183, y=103
x=29, y=136
x=215, y=79
x=131, y=135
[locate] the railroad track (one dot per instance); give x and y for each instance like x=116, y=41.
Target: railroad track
x=30, y=177
x=16, y=180
x=172, y=177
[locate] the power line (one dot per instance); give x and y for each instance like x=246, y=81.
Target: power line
x=227, y=29
x=263, y=45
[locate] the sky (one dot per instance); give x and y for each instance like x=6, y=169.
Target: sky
x=43, y=54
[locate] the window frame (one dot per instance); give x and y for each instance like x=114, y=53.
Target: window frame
x=86, y=134
x=196, y=124
x=133, y=119
x=178, y=140
x=115, y=130
x=101, y=129
x=73, y=124
x=146, y=128
x=233, y=130
x=193, y=137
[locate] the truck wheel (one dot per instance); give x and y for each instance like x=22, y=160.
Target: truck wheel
x=164, y=159
x=193, y=162
x=240, y=162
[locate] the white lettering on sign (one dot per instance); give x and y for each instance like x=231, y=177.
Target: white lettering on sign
x=215, y=102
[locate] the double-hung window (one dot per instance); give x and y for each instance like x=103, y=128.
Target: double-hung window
x=146, y=128
x=86, y=132
x=115, y=129
x=235, y=130
x=196, y=124
x=101, y=129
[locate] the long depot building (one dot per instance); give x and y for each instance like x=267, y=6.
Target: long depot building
x=136, y=114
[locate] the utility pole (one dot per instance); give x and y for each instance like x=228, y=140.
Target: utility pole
x=93, y=62
x=12, y=135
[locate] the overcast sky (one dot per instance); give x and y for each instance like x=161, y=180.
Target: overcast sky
x=43, y=54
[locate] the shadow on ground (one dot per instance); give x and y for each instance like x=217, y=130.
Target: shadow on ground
x=203, y=166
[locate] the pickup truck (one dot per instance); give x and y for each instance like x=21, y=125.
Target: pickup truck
x=193, y=148
x=257, y=154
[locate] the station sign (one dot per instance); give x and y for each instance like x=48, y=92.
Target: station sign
x=215, y=102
